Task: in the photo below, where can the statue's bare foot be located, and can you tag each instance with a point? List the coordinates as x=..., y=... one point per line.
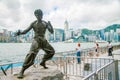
x=44, y=66
x=20, y=75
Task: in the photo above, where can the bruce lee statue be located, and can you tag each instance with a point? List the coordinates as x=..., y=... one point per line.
x=39, y=27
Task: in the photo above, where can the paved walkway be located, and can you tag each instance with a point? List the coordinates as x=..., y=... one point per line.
x=31, y=74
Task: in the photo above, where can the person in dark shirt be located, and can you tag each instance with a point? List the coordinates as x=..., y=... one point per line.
x=97, y=49
x=39, y=27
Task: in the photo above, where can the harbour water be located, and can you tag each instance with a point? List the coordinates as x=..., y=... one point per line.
x=16, y=52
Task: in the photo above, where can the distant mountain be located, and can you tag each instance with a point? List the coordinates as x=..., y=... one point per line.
x=88, y=32
x=107, y=29
x=112, y=27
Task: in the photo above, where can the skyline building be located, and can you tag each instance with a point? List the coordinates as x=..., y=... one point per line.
x=58, y=35
x=118, y=32
x=115, y=37
x=102, y=34
x=107, y=36
x=111, y=35
x=66, y=30
x=66, y=34
x=66, y=25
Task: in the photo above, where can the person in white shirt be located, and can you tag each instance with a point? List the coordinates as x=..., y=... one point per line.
x=78, y=53
x=110, y=48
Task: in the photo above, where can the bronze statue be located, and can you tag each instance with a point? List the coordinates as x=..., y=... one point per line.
x=39, y=26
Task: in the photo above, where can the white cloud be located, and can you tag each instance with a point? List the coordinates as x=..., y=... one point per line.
x=92, y=14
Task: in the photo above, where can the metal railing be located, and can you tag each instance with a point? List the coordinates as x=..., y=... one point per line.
x=87, y=52
x=106, y=72
x=67, y=63
x=6, y=67
x=69, y=66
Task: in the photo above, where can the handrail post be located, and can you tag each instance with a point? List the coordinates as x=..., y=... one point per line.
x=96, y=76
x=3, y=71
x=11, y=68
x=116, y=70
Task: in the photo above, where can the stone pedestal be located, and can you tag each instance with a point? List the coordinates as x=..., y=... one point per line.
x=37, y=74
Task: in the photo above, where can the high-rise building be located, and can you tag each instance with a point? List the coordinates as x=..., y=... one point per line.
x=118, y=32
x=115, y=36
x=102, y=35
x=66, y=26
x=57, y=36
x=97, y=35
x=66, y=32
x=107, y=36
x=111, y=35
x=91, y=38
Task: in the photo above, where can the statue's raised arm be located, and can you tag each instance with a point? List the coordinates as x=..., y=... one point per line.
x=50, y=27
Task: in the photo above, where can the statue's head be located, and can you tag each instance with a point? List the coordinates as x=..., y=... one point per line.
x=38, y=13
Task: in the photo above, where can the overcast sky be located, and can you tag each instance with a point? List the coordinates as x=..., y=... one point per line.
x=91, y=14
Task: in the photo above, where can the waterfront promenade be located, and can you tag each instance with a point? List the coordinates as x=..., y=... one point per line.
x=65, y=64
x=33, y=72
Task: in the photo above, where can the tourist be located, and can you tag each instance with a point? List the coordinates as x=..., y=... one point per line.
x=110, y=48
x=97, y=48
x=78, y=53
